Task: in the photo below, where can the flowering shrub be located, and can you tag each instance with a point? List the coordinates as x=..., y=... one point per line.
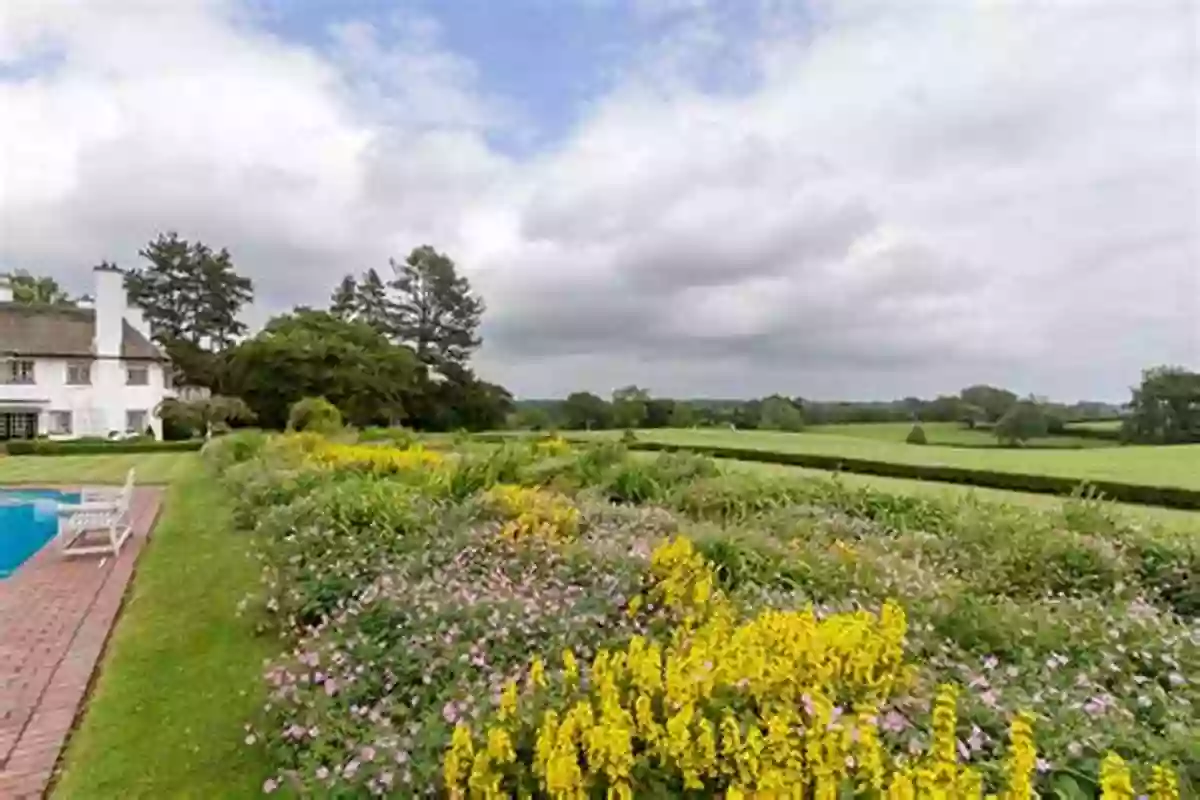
x=781, y=703
x=378, y=460
x=552, y=446
x=533, y=512
x=489, y=621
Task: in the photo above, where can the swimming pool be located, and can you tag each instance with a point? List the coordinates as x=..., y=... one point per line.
x=28, y=519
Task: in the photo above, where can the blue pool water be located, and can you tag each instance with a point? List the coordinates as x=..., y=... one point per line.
x=28, y=520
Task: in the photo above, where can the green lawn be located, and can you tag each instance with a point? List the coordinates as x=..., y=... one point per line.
x=182, y=673
x=155, y=468
x=946, y=433
x=1177, y=465
x=1168, y=517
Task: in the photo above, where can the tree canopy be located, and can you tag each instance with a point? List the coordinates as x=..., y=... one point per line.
x=779, y=414
x=34, y=290
x=189, y=292
x=1024, y=420
x=993, y=401
x=586, y=411
x=312, y=354
x=1165, y=408
x=630, y=406
x=435, y=311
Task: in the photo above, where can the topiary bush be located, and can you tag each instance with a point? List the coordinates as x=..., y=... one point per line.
x=916, y=435
x=315, y=414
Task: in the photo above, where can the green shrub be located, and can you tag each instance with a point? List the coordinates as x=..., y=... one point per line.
x=397, y=436
x=316, y=415
x=916, y=435
x=222, y=452
x=43, y=447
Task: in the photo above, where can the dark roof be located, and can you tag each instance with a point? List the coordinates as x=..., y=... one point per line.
x=62, y=331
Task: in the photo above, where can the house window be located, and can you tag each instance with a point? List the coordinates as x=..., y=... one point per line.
x=135, y=421
x=137, y=375
x=60, y=423
x=19, y=371
x=79, y=373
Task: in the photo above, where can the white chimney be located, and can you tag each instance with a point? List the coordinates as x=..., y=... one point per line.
x=110, y=311
x=6, y=294
x=137, y=318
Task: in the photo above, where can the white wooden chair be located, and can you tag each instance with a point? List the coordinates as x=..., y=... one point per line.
x=101, y=510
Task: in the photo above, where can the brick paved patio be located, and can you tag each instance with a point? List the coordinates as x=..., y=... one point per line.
x=55, y=616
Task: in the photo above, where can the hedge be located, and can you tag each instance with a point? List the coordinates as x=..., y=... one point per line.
x=1138, y=494
x=1108, y=435
x=1167, y=496
x=45, y=447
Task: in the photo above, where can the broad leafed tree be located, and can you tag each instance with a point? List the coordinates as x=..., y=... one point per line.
x=32, y=290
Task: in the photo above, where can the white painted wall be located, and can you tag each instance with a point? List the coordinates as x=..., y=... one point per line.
x=97, y=409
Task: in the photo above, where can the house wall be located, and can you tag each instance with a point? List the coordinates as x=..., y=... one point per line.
x=96, y=409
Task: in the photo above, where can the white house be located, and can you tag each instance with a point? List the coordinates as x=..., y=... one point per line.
x=91, y=370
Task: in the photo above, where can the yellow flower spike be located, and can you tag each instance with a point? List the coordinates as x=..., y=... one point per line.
x=944, y=750
x=544, y=745
x=1022, y=758
x=508, y=701
x=868, y=755
x=570, y=668
x=969, y=785
x=1115, y=783
x=1164, y=784
x=484, y=781
x=459, y=757
x=901, y=786
x=537, y=673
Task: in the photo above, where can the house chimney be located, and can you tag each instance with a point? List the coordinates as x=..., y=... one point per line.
x=6, y=295
x=137, y=318
x=110, y=311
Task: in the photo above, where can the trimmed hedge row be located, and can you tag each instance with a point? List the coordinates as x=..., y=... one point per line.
x=1165, y=496
x=45, y=447
x=1112, y=435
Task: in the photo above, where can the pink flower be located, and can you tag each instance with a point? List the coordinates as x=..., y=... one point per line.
x=330, y=687
x=270, y=785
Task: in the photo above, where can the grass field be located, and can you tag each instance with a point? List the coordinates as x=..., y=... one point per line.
x=1169, y=517
x=1153, y=466
x=947, y=433
x=152, y=468
x=182, y=672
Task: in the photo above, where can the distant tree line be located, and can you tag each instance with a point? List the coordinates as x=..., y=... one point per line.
x=633, y=407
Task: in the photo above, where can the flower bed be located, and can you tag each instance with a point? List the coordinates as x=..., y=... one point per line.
x=534, y=620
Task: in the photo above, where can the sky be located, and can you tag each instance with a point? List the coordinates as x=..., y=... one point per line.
x=727, y=198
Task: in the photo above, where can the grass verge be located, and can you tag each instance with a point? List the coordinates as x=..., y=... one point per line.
x=181, y=675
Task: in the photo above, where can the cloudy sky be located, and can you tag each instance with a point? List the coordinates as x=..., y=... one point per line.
x=830, y=198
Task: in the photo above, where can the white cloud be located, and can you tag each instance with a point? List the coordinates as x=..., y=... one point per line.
x=904, y=198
